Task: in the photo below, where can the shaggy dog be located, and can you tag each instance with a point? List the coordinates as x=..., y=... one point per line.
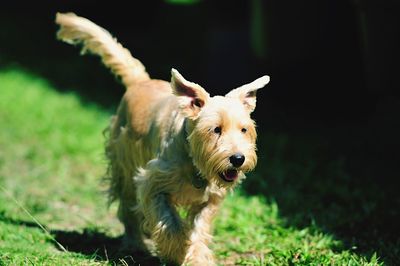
x=171, y=146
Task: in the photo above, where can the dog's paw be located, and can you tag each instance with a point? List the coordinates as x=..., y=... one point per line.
x=199, y=254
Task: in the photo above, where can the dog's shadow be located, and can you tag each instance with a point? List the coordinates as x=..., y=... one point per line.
x=94, y=244
x=102, y=247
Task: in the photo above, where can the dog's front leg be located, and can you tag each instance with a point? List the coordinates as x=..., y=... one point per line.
x=198, y=252
x=167, y=230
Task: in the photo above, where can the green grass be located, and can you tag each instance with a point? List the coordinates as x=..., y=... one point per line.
x=51, y=163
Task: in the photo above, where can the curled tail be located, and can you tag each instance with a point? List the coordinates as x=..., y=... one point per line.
x=96, y=40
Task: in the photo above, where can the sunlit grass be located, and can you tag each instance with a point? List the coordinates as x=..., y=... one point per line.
x=250, y=231
x=51, y=162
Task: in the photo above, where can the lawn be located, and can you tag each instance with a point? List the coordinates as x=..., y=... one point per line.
x=53, y=209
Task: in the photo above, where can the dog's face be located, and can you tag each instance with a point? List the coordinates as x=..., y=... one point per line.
x=221, y=133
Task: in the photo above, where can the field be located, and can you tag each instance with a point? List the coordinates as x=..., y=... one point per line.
x=53, y=209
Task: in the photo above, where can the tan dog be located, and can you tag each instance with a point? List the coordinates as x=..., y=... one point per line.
x=171, y=146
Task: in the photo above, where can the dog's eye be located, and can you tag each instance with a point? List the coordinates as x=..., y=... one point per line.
x=244, y=130
x=217, y=130
x=197, y=102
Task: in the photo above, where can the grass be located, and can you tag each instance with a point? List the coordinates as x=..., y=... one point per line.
x=51, y=161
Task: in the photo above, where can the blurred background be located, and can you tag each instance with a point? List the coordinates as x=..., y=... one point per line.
x=332, y=106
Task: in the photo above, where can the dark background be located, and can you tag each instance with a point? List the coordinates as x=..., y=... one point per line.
x=330, y=62
x=334, y=67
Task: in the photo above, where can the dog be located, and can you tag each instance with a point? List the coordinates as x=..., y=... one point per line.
x=174, y=151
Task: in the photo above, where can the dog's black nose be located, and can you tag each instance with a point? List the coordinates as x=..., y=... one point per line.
x=237, y=159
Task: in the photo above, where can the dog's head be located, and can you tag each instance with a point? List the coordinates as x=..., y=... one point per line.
x=220, y=131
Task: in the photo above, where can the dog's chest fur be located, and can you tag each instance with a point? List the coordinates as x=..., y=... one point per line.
x=193, y=189
x=189, y=195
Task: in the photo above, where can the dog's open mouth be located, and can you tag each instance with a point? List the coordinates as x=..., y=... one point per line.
x=229, y=175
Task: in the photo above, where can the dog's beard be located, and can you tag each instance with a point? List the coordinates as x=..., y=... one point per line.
x=218, y=170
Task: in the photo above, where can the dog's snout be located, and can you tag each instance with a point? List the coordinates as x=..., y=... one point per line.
x=237, y=159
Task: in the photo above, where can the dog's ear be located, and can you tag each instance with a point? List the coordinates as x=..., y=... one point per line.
x=247, y=92
x=191, y=96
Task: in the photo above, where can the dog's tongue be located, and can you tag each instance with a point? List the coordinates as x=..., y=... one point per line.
x=231, y=175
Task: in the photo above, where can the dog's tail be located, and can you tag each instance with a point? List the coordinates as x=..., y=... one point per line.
x=96, y=40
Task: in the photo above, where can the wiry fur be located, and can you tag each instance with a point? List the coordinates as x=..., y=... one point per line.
x=170, y=146
x=94, y=39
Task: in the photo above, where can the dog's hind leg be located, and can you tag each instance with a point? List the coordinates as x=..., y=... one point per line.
x=120, y=152
x=133, y=238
